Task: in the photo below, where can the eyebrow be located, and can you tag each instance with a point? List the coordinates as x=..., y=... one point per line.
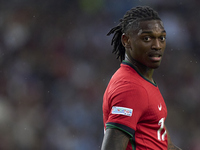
x=150, y=32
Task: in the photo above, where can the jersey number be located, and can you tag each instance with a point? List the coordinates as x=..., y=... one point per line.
x=161, y=137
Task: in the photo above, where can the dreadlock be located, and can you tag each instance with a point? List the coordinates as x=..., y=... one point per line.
x=135, y=15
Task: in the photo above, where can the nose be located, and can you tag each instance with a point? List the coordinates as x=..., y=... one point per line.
x=156, y=45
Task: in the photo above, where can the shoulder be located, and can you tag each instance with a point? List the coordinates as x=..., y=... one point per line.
x=126, y=79
x=126, y=88
x=126, y=74
x=127, y=84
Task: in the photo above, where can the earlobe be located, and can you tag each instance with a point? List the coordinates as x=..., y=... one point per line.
x=125, y=40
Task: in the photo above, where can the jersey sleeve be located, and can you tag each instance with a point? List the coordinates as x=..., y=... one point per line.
x=128, y=103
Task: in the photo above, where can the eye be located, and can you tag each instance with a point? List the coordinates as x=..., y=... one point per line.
x=147, y=38
x=162, y=38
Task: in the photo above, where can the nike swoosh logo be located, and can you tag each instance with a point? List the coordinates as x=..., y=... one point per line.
x=160, y=107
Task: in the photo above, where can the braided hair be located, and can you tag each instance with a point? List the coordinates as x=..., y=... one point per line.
x=134, y=15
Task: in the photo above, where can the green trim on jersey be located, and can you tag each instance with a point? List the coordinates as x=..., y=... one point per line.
x=113, y=126
x=110, y=126
x=128, y=63
x=132, y=144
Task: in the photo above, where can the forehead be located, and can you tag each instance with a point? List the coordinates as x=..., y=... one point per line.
x=150, y=25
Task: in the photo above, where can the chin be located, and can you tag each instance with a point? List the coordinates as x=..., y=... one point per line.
x=154, y=66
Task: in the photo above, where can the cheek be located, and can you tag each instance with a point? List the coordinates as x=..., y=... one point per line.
x=137, y=45
x=143, y=47
x=164, y=46
x=140, y=50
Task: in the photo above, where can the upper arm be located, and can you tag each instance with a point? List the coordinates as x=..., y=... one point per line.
x=115, y=139
x=132, y=98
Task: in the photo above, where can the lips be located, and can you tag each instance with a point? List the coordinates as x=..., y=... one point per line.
x=155, y=56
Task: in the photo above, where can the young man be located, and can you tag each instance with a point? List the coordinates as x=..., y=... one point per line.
x=134, y=111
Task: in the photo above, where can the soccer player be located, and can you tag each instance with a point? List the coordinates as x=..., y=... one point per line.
x=134, y=110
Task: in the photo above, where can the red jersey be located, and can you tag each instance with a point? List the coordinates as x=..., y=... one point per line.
x=135, y=105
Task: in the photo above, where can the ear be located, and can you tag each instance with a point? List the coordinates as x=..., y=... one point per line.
x=125, y=40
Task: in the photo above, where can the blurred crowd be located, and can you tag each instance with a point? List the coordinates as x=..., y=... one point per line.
x=56, y=61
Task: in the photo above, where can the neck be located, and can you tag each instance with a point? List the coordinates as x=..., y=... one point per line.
x=142, y=69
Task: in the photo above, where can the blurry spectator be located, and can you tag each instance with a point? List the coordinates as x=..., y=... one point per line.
x=55, y=63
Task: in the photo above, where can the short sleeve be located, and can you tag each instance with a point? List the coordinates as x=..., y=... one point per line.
x=128, y=103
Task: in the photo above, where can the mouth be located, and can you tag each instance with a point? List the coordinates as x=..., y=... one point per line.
x=155, y=57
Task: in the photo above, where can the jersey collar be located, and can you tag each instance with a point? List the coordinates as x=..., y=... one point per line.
x=129, y=64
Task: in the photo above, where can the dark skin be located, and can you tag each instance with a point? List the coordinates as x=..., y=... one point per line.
x=144, y=49
x=145, y=46
x=115, y=139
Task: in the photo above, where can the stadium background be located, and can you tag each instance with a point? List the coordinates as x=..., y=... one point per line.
x=56, y=61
